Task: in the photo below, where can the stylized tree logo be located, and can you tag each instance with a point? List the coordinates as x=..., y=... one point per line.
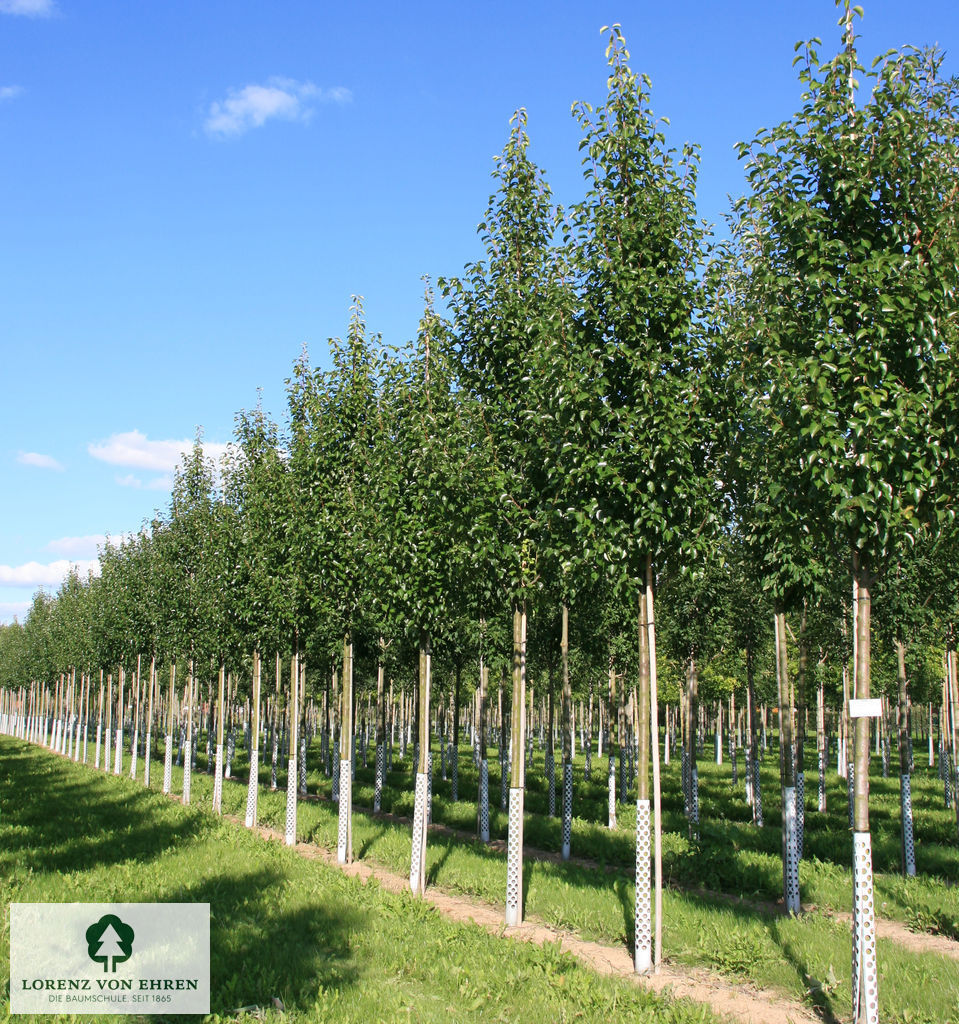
x=109, y=942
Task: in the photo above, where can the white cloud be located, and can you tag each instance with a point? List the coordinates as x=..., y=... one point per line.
x=10, y=610
x=137, y=451
x=253, y=105
x=9, y=92
x=42, y=461
x=85, y=547
x=51, y=574
x=77, y=546
x=159, y=483
x=30, y=8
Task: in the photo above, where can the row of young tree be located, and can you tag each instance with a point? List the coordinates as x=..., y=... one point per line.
x=610, y=407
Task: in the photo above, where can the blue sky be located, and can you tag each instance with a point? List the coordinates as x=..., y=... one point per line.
x=190, y=192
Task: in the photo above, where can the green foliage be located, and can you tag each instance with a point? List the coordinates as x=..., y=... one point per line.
x=509, y=313
x=850, y=251
x=637, y=405
x=260, y=508
x=13, y=655
x=334, y=446
x=426, y=490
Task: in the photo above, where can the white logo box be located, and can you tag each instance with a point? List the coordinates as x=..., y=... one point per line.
x=163, y=968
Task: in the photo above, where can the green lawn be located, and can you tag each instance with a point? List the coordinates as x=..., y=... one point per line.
x=806, y=958
x=329, y=947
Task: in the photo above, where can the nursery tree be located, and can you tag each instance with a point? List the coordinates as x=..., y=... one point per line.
x=504, y=312
x=335, y=423
x=639, y=404
x=423, y=486
x=850, y=235
x=253, y=493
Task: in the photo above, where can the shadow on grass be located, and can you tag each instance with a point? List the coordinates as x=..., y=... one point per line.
x=629, y=913
x=818, y=992
x=740, y=956
x=66, y=821
x=368, y=842
x=437, y=865
x=269, y=937
x=261, y=950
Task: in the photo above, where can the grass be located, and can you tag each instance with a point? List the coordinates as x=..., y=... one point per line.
x=282, y=927
x=731, y=855
x=805, y=958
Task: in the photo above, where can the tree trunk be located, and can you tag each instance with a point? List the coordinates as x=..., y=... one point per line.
x=454, y=753
x=821, y=743
x=907, y=846
x=304, y=715
x=168, y=747
x=931, y=744
x=622, y=739
x=753, y=770
x=567, y=735
x=787, y=763
x=657, y=790
x=611, y=717
x=733, y=738
x=848, y=728
x=275, y=723
x=118, y=738
x=529, y=726
x=292, y=733
x=380, y=730
x=420, y=809
x=801, y=734
x=230, y=724
x=514, y=843
x=550, y=754
x=188, y=748
x=503, y=766
x=136, y=722
x=220, y=709
x=953, y=684
x=865, y=978
x=335, y=711
x=252, y=791
x=482, y=804
x=344, y=839
x=643, y=948
x=108, y=737
x=56, y=711
x=86, y=723
x=692, y=726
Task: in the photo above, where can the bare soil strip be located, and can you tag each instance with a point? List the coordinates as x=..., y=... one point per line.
x=737, y=1001
x=915, y=942
x=894, y=931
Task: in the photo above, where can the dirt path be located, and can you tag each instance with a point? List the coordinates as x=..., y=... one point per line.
x=737, y=1001
x=894, y=931
x=915, y=942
